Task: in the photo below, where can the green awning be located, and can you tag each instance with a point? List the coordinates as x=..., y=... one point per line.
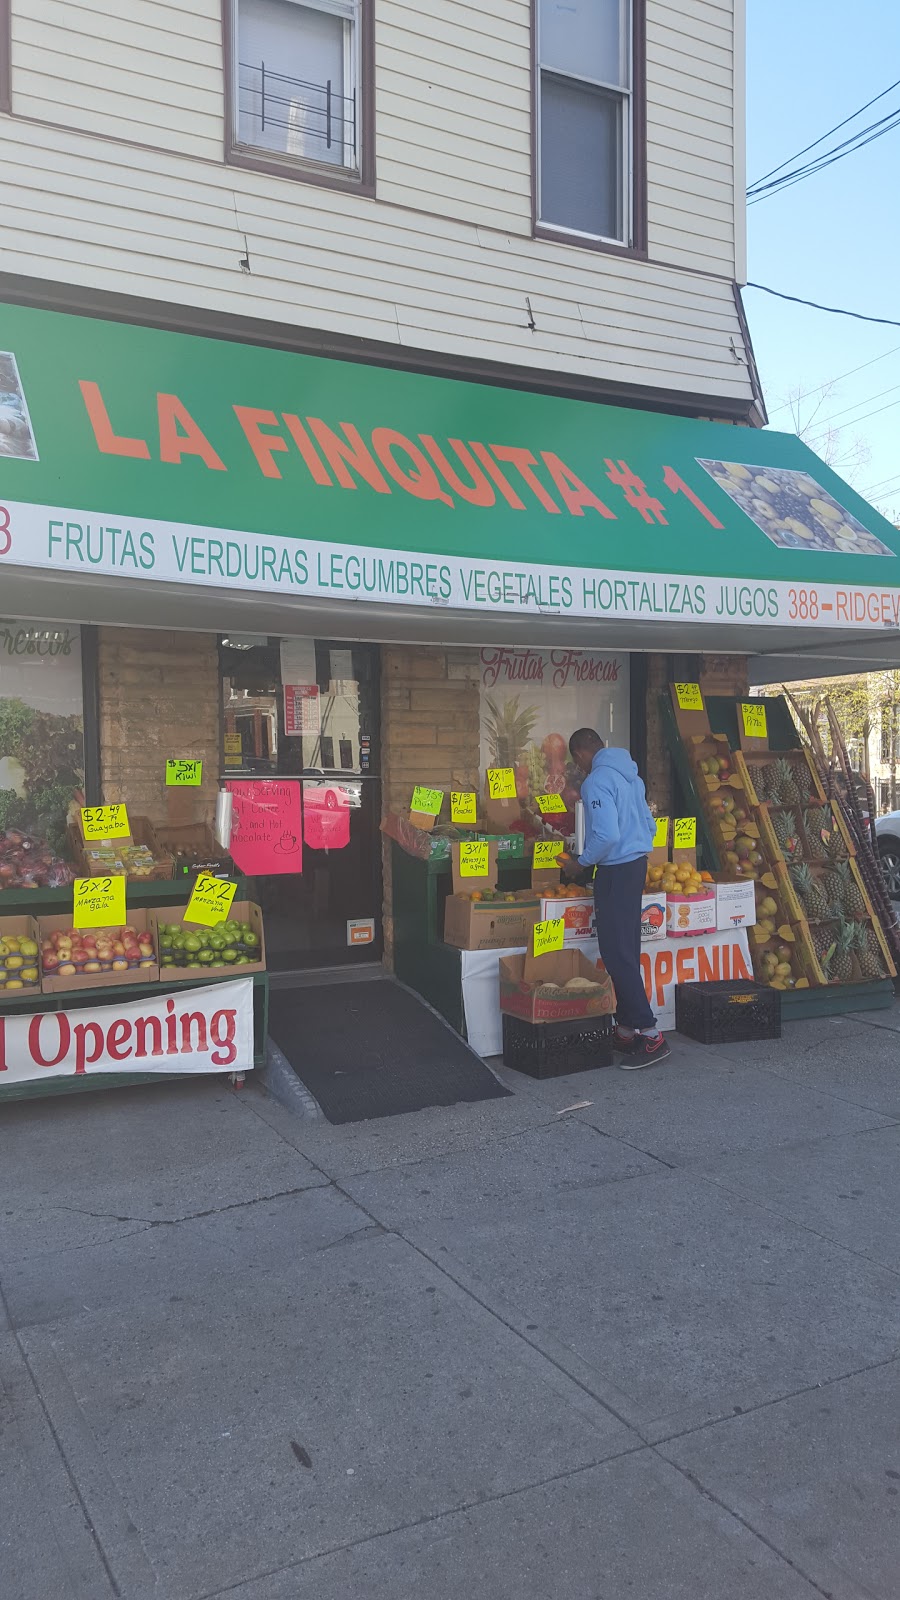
x=127, y=453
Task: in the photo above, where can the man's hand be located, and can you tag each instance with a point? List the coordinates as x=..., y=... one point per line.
x=572, y=872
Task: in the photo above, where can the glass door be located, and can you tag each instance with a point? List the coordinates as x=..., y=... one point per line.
x=300, y=751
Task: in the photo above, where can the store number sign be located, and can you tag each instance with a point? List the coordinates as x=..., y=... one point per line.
x=105, y=822
x=184, y=774
x=684, y=836
x=463, y=808
x=211, y=900
x=550, y=804
x=754, y=718
x=427, y=801
x=548, y=936
x=501, y=783
x=98, y=903
x=474, y=858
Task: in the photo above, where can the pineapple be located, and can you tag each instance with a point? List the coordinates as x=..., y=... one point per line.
x=842, y=962
x=817, y=820
x=760, y=777
x=815, y=902
x=821, y=938
x=785, y=784
x=868, y=951
x=826, y=959
x=509, y=729
x=785, y=825
x=852, y=898
x=836, y=852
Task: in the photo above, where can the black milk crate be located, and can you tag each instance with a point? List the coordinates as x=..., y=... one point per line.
x=554, y=1049
x=727, y=1013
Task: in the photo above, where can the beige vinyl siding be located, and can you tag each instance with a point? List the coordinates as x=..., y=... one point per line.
x=443, y=260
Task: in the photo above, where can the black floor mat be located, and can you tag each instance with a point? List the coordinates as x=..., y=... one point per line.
x=374, y=1050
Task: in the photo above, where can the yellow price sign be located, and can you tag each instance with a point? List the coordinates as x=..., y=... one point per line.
x=549, y=804
x=428, y=801
x=211, y=900
x=98, y=903
x=474, y=858
x=684, y=836
x=184, y=774
x=547, y=852
x=463, y=807
x=501, y=783
x=232, y=744
x=105, y=822
x=548, y=936
x=754, y=717
x=661, y=836
x=689, y=697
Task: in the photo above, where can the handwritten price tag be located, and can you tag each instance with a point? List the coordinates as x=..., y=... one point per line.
x=501, y=783
x=550, y=804
x=428, y=801
x=689, y=697
x=98, y=903
x=661, y=836
x=184, y=774
x=754, y=716
x=105, y=822
x=463, y=808
x=474, y=858
x=211, y=900
x=684, y=836
x=547, y=852
x=548, y=936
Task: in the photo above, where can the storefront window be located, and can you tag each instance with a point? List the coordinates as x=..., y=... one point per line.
x=532, y=700
x=41, y=750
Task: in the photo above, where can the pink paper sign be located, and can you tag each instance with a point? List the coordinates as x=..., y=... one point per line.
x=266, y=830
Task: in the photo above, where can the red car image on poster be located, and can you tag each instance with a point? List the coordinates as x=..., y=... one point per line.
x=326, y=812
x=266, y=831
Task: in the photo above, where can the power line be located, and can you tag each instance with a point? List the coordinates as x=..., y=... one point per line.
x=821, y=140
x=889, y=486
x=834, y=311
x=773, y=411
x=826, y=421
x=868, y=135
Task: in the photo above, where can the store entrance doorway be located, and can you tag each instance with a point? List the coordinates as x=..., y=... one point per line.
x=300, y=743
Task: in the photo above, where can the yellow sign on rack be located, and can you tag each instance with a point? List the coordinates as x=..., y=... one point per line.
x=474, y=858
x=501, y=783
x=661, y=836
x=547, y=852
x=548, y=936
x=754, y=718
x=184, y=774
x=463, y=808
x=211, y=900
x=98, y=903
x=684, y=833
x=428, y=801
x=105, y=822
x=550, y=804
x=689, y=697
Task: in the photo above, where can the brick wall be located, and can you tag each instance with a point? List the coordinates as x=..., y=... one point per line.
x=159, y=698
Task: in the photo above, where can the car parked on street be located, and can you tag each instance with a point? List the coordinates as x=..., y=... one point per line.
x=887, y=831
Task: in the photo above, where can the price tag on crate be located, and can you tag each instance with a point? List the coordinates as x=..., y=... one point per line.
x=754, y=719
x=547, y=852
x=98, y=903
x=211, y=900
x=501, y=783
x=548, y=936
x=474, y=858
x=688, y=696
x=184, y=774
x=105, y=822
x=463, y=808
x=550, y=804
x=684, y=833
x=661, y=836
x=428, y=801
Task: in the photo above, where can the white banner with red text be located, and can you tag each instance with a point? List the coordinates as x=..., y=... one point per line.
x=194, y=1031
x=709, y=958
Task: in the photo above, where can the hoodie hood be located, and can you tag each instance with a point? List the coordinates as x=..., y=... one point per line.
x=619, y=761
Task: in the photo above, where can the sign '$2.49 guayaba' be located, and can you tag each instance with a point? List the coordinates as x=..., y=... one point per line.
x=160, y=456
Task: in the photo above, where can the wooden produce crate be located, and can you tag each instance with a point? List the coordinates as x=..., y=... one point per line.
x=194, y=848
x=52, y=983
x=241, y=911
x=803, y=768
x=26, y=927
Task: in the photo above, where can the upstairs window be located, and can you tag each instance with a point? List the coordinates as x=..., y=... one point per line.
x=585, y=118
x=297, y=84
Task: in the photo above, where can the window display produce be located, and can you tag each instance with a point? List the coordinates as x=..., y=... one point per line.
x=41, y=751
x=19, y=957
x=188, y=949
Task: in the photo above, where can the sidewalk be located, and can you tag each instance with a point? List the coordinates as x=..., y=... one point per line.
x=619, y=1335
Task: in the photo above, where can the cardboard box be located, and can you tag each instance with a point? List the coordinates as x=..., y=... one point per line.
x=533, y=989
x=653, y=917
x=577, y=914
x=694, y=913
x=19, y=926
x=140, y=920
x=241, y=911
x=735, y=904
x=194, y=848
x=492, y=924
x=142, y=833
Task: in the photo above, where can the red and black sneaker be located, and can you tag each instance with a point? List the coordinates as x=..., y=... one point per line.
x=645, y=1051
x=623, y=1040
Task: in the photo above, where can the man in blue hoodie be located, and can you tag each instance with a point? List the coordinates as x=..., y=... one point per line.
x=619, y=830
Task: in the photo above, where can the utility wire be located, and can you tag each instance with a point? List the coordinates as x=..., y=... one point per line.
x=866, y=136
x=786, y=404
x=834, y=311
x=856, y=405
x=824, y=136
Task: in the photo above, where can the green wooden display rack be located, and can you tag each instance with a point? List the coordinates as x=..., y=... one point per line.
x=55, y=902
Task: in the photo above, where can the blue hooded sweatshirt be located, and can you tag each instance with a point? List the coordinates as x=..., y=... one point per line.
x=619, y=824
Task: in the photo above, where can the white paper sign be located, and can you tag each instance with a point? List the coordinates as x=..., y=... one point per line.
x=710, y=957
x=194, y=1030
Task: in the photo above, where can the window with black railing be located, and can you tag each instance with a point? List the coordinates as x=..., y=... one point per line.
x=297, y=77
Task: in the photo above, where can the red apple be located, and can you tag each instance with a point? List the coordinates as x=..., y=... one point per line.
x=50, y=960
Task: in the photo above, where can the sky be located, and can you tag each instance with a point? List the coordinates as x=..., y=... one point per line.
x=835, y=237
